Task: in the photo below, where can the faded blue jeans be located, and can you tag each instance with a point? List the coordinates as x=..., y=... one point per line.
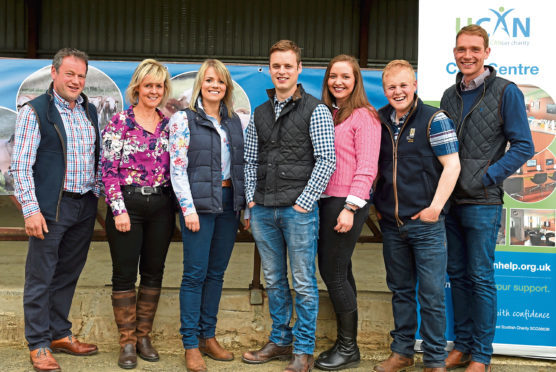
x=471, y=230
x=282, y=233
x=416, y=251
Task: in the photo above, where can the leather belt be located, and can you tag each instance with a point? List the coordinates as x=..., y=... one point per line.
x=146, y=190
x=74, y=195
x=227, y=183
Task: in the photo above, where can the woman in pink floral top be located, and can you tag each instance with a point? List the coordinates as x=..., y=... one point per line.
x=140, y=219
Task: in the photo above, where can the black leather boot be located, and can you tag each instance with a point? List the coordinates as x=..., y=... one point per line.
x=345, y=353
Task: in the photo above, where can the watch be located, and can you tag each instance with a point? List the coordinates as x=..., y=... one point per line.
x=350, y=208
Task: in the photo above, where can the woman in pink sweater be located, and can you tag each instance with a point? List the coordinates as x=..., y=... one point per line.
x=345, y=203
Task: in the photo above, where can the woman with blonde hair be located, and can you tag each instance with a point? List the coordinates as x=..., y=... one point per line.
x=206, y=151
x=140, y=219
x=346, y=206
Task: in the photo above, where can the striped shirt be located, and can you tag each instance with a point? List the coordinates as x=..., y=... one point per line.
x=321, y=131
x=442, y=133
x=80, y=148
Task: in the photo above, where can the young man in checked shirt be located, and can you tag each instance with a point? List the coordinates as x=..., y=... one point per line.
x=56, y=178
x=289, y=155
x=418, y=168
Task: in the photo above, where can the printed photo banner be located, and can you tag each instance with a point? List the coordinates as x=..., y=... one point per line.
x=24, y=79
x=522, y=50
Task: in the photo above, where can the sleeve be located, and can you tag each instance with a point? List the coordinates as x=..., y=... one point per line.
x=26, y=142
x=98, y=176
x=442, y=135
x=251, y=158
x=321, y=131
x=517, y=132
x=113, y=140
x=179, y=144
x=367, y=132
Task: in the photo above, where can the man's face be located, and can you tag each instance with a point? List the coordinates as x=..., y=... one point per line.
x=69, y=80
x=284, y=72
x=399, y=88
x=470, y=55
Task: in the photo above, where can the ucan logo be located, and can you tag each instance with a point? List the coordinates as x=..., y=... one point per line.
x=501, y=22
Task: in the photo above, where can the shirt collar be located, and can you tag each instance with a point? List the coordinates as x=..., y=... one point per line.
x=402, y=119
x=475, y=83
x=64, y=103
x=282, y=103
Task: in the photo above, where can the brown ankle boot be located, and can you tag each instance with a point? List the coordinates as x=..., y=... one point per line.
x=194, y=361
x=211, y=348
x=147, y=303
x=123, y=304
x=394, y=363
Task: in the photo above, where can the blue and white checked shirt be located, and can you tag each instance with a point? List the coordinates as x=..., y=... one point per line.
x=80, y=148
x=442, y=133
x=321, y=131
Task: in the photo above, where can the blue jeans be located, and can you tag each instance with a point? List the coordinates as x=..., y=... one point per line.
x=416, y=251
x=206, y=254
x=471, y=230
x=282, y=232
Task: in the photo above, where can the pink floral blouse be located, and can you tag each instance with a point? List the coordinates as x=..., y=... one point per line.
x=133, y=156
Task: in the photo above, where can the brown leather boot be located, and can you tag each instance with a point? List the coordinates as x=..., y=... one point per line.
x=147, y=303
x=457, y=359
x=194, y=361
x=123, y=304
x=268, y=352
x=477, y=367
x=43, y=361
x=394, y=363
x=301, y=363
x=211, y=348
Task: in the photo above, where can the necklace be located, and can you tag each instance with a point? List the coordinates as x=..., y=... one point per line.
x=148, y=121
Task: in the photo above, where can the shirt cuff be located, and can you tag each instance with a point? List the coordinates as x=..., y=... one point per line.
x=30, y=209
x=352, y=199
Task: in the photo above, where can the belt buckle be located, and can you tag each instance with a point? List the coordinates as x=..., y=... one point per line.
x=146, y=190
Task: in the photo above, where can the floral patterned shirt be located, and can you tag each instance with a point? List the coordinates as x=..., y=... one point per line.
x=133, y=156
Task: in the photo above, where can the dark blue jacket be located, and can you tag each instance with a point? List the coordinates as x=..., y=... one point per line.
x=50, y=165
x=409, y=170
x=204, y=168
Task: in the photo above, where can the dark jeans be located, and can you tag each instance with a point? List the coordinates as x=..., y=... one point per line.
x=334, y=253
x=471, y=230
x=145, y=244
x=52, y=269
x=206, y=254
x=416, y=251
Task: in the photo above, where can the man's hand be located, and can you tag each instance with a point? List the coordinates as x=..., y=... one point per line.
x=251, y=205
x=192, y=222
x=122, y=222
x=247, y=224
x=299, y=209
x=429, y=214
x=35, y=225
x=345, y=221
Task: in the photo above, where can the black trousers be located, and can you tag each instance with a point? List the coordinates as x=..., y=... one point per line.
x=335, y=251
x=145, y=245
x=52, y=269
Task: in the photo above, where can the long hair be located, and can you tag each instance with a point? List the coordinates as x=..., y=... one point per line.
x=224, y=74
x=358, y=97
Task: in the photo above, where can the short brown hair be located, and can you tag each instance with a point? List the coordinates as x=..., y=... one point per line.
x=69, y=52
x=474, y=30
x=397, y=64
x=284, y=46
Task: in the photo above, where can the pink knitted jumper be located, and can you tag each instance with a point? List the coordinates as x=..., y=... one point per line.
x=357, y=142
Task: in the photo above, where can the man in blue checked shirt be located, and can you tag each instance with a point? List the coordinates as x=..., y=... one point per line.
x=289, y=155
x=55, y=170
x=418, y=168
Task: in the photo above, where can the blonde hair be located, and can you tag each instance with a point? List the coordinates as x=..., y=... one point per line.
x=157, y=71
x=224, y=74
x=398, y=64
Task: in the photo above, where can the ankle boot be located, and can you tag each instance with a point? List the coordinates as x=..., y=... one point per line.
x=147, y=303
x=345, y=353
x=123, y=304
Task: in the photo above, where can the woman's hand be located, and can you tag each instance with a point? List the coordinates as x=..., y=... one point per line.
x=345, y=221
x=192, y=222
x=122, y=222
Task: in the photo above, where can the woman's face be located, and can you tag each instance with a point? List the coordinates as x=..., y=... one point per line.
x=213, y=88
x=150, y=92
x=341, y=81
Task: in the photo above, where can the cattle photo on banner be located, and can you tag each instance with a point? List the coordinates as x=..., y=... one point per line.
x=521, y=38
